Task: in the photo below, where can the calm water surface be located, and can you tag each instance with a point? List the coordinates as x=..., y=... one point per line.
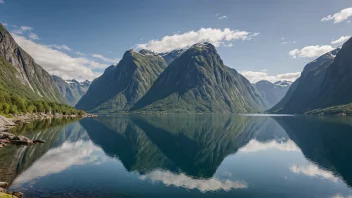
x=183, y=156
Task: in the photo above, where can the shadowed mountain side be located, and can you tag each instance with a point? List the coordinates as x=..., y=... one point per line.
x=16, y=160
x=121, y=86
x=326, y=143
x=123, y=139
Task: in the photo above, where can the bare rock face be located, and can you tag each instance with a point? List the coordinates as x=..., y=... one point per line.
x=28, y=73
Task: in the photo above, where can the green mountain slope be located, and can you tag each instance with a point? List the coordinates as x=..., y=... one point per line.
x=198, y=81
x=121, y=86
x=25, y=87
x=37, y=81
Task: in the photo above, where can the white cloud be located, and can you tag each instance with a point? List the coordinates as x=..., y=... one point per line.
x=4, y=24
x=20, y=30
x=217, y=37
x=2, y=1
x=341, y=40
x=339, y=17
x=282, y=38
x=285, y=42
x=26, y=28
x=311, y=51
x=349, y=21
x=61, y=47
x=255, y=146
x=254, y=77
x=184, y=181
x=101, y=57
x=222, y=17
x=33, y=36
x=313, y=170
x=59, y=63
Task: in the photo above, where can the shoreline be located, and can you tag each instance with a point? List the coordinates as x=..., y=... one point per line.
x=7, y=123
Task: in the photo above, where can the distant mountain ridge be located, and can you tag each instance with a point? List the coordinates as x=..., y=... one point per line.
x=71, y=90
x=273, y=92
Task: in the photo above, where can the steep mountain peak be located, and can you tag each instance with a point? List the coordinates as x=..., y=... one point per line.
x=263, y=82
x=122, y=86
x=28, y=73
x=324, y=60
x=283, y=83
x=148, y=52
x=198, y=81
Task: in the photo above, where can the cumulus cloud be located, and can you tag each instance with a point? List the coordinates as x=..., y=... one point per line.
x=341, y=40
x=339, y=17
x=254, y=76
x=311, y=51
x=255, y=146
x=59, y=63
x=33, y=36
x=313, y=170
x=217, y=37
x=184, y=181
x=101, y=57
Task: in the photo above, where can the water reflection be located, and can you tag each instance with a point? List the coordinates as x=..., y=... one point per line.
x=186, y=155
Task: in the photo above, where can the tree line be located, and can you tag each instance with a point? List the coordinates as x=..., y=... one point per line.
x=11, y=103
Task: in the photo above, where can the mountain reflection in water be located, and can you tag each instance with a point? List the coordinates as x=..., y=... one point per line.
x=185, y=155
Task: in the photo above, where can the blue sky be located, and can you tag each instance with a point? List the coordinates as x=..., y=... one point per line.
x=79, y=38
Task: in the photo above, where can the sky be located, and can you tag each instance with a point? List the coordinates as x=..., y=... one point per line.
x=262, y=39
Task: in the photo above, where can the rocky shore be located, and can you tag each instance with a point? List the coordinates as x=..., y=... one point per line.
x=7, y=138
x=7, y=123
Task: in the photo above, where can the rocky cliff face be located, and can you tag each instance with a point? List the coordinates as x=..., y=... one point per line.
x=198, y=81
x=27, y=72
x=121, y=86
x=71, y=90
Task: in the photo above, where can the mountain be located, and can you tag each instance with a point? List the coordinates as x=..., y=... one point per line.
x=198, y=81
x=71, y=90
x=303, y=94
x=121, y=86
x=273, y=92
x=171, y=56
x=21, y=75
